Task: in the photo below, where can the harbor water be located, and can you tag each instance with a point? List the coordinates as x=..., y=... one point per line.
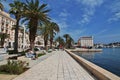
x=108, y=59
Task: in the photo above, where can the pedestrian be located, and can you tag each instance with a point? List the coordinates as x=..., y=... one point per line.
x=60, y=47
x=30, y=54
x=5, y=47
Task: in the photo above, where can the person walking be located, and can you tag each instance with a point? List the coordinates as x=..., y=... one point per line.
x=5, y=47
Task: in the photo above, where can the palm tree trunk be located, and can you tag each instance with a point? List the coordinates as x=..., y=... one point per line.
x=32, y=39
x=32, y=45
x=46, y=47
x=32, y=35
x=45, y=43
x=16, y=37
x=2, y=42
x=51, y=42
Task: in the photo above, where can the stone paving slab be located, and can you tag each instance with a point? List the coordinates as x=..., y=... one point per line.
x=41, y=58
x=7, y=76
x=59, y=66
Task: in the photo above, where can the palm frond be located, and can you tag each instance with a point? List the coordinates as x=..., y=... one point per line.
x=42, y=7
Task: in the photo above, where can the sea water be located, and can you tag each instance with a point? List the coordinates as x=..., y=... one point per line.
x=108, y=59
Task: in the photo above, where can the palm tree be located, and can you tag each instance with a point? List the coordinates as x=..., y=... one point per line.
x=3, y=36
x=1, y=5
x=69, y=40
x=45, y=33
x=66, y=36
x=60, y=40
x=53, y=29
x=16, y=10
x=34, y=14
x=21, y=29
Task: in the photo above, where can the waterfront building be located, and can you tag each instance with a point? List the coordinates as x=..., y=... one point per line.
x=39, y=41
x=100, y=45
x=86, y=41
x=6, y=24
x=26, y=43
x=23, y=40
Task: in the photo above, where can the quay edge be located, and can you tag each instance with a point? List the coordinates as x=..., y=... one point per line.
x=97, y=71
x=85, y=50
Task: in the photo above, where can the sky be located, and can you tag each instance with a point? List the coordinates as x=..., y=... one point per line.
x=97, y=18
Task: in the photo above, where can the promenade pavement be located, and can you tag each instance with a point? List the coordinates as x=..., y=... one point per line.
x=41, y=58
x=3, y=56
x=2, y=51
x=60, y=66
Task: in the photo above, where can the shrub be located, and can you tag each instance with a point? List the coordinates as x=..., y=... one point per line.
x=11, y=52
x=36, y=49
x=40, y=55
x=14, y=67
x=22, y=53
x=50, y=50
x=13, y=58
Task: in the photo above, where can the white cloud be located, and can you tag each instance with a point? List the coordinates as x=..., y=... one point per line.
x=86, y=19
x=115, y=10
x=79, y=31
x=6, y=5
x=115, y=6
x=89, y=10
x=63, y=17
x=100, y=32
x=112, y=36
x=115, y=17
x=64, y=13
x=64, y=29
x=62, y=24
x=75, y=34
x=91, y=3
x=62, y=20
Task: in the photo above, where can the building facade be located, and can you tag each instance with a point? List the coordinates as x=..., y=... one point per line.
x=39, y=41
x=6, y=24
x=86, y=42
